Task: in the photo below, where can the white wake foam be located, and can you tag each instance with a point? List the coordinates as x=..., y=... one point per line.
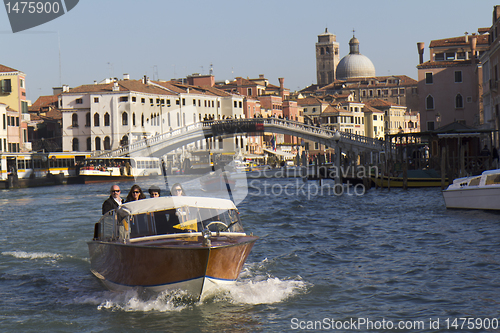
x=263, y=290
x=133, y=301
x=32, y=255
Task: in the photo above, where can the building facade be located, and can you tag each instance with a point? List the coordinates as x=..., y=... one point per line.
x=491, y=75
x=394, y=115
x=16, y=117
x=450, y=83
x=114, y=113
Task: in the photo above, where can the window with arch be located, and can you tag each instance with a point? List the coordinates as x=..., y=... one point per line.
x=322, y=51
x=106, y=119
x=327, y=50
x=142, y=120
x=459, y=101
x=133, y=119
x=97, y=143
x=168, y=119
x=107, y=143
x=74, y=120
x=96, y=119
x=87, y=119
x=75, y=144
x=124, y=141
x=124, y=118
x=178, y=120
x=89, y=144
x=429, y=103
x=194, y=117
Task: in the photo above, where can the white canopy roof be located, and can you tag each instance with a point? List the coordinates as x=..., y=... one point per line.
x=284, y=154
x=164, y=203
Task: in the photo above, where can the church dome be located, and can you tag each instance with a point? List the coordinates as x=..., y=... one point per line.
x=355, y=65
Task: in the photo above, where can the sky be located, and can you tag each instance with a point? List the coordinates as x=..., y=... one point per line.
x=166, y=39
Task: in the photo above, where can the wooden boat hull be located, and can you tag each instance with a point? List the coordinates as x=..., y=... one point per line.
x=412, y=182
x=169, y=264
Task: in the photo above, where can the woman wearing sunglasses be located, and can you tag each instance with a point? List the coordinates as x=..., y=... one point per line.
x=135, y=194
x=177, y=190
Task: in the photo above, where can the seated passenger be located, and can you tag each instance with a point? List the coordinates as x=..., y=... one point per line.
x=177, y=190
x=135, y=194
x=154, y=191
x=114, y=200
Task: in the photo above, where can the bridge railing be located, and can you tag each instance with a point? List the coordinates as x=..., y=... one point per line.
x=237, y=123
x=295, y=125
x=145, y=143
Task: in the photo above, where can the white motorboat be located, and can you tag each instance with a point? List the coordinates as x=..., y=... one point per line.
x=476, y=192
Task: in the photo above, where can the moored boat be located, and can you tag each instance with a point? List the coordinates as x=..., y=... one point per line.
x=416, y=178
x=34, y=169
x=476, y=192
x=102, y=169
x=193, y=244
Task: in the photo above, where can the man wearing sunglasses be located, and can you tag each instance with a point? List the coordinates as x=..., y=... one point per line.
x=114, y=200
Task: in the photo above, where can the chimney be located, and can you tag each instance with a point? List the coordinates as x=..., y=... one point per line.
x=115, y=86
x=65, y=88
x=420, y=47
x=261, y=76
x=473, y=42
x=126, y=77
x=282, y=87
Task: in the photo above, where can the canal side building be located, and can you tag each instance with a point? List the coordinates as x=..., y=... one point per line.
x=491, y=75
x=450, y=83
x=14, y=116
x=114, y=113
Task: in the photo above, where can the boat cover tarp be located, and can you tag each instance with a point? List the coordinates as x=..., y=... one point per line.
x=164, y=203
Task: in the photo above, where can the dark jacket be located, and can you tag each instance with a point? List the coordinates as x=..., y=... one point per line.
x=108, y=205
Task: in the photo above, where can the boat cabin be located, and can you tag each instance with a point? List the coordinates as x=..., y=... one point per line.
x=487, y=178
x=159, y=217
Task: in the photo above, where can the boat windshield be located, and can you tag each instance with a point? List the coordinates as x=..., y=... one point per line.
x=183, y=220
x=493, y=179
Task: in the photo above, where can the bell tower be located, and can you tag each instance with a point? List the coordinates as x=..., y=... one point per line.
x=327, y=58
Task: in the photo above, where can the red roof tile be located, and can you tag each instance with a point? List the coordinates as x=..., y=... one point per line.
x=377, y=102
x=7, y=69
x=458, y=41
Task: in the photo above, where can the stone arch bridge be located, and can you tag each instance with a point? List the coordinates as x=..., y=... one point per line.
x=160, y=145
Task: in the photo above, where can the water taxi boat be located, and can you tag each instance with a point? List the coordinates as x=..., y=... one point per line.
x=194, y=244
x=476, y=192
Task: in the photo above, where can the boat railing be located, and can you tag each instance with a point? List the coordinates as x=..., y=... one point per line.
x=183, y=235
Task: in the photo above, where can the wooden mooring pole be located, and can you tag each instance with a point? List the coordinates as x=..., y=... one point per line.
x=443, y=167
